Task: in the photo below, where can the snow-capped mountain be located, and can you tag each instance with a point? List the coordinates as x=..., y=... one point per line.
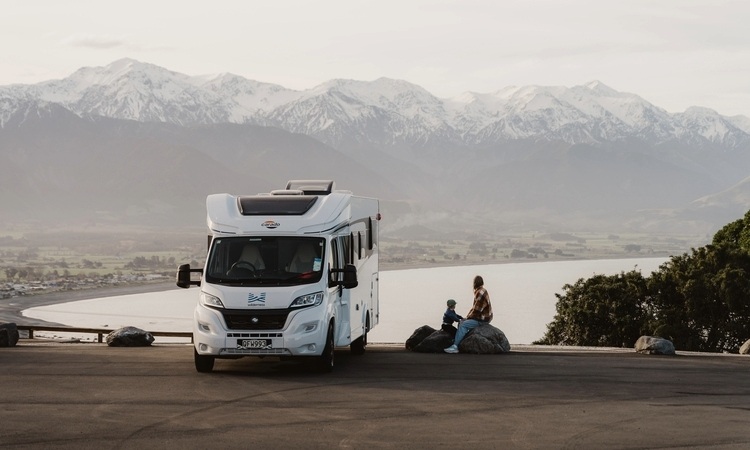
x=382, y=112
x=158, y=141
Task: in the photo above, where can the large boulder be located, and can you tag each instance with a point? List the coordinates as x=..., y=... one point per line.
x=435, y=343
x=484, y=339
x=651, y=345
x=745, y=349
x=419, y=335
x=8, y=334
x=129, y=337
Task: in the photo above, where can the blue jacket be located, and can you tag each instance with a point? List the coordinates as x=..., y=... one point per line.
x=450, y=316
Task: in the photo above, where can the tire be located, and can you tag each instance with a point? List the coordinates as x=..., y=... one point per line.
x=359, y=345
x=203, y=363
x=326, y=359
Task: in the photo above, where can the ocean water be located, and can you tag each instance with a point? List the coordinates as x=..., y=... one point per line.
x=522, y=296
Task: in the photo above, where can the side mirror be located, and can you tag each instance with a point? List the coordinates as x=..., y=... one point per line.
x=349, y=280
x=350, y=277
x=183, y=276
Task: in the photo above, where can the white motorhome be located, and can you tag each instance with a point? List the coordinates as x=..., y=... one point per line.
x=290, y=273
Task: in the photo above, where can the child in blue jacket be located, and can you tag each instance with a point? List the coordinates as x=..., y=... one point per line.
x=449, y=317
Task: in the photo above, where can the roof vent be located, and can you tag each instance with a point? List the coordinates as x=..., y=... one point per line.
x=311, y=187
x=287, y=192
x=291, y=205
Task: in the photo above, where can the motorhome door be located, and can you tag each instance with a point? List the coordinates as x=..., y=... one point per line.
x=340, y=249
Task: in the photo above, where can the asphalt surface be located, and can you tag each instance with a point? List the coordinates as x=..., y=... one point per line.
x=80, y=396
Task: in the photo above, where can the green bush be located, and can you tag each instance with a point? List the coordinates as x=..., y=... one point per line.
x=699, y=300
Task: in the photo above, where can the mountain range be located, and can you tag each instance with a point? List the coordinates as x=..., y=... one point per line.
x=132, y=141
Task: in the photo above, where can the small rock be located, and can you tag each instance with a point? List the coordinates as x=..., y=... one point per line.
x=651, y=345
x=129, y=337
x=8, y=334
x=745, y=349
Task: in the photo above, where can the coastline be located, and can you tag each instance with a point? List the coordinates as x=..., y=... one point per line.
x=11, y=309
x=96, y=292
x=408, y=265
x=518, y=288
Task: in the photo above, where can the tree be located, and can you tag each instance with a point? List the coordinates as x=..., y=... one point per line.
x=702, y=300
x=735, y=234
x=601, y=311
x=699, y=300
x=10, y=273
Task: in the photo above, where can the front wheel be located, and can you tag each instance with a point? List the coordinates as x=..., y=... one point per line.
x=203, y=363
x=359, y=345
x=325, y=362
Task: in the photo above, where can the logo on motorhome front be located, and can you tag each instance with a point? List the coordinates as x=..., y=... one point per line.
x=270, y=224
x=256, y=300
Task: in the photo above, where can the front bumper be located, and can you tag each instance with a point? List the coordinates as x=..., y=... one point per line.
x=302, y=334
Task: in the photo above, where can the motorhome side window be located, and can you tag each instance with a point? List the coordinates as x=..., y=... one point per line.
x=335, y=264
x=370, y=234
x=251, y=261
x=349, y=248
x=340, y=250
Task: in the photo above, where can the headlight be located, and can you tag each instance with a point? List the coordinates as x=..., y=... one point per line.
x=210, y=300
x=307, y=300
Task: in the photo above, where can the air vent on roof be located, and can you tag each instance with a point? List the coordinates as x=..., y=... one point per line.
x=287, y=192
x=311, y=187
x=292, y=205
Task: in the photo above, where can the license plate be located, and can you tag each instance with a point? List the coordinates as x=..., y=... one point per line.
x=253, y=343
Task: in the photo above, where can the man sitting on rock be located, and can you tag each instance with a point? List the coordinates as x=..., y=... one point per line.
x=449, y=317
x=480, y=313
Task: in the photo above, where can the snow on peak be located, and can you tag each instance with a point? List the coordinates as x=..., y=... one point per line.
x=373, y=91
x=698, y=111
x=122, y=68
x=383, y=93
x=593, y=111
x=601, y=88
x=741, y=122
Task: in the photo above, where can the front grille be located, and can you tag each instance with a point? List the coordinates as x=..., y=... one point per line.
x=255, y=335
x=271, y=319
x=255, y=351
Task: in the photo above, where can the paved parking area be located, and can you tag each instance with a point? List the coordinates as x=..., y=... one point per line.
x=93, y=396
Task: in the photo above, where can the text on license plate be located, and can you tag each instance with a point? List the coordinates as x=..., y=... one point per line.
x=253, y=343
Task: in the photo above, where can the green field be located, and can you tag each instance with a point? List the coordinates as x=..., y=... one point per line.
x=122, y=255
x=532, y=247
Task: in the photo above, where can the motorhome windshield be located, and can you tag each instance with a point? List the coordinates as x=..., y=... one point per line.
x=249, y=261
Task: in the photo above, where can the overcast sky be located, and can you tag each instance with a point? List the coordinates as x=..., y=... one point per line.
x=673, y=53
